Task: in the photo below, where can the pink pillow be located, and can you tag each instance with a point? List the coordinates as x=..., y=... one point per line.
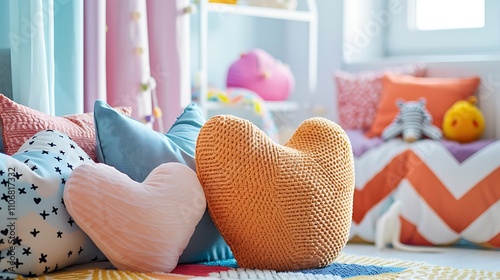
x=19, y=123
x=261, y=73
x=358, y=94
x=142, y=227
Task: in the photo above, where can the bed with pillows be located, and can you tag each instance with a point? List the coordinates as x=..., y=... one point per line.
x=449, y=191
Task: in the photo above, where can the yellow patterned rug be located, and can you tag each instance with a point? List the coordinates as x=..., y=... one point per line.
x=411, y=270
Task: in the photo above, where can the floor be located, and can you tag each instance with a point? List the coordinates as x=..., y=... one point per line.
x=453, y=257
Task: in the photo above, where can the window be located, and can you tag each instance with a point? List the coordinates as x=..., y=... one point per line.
x=437, y=14
x=444, y=27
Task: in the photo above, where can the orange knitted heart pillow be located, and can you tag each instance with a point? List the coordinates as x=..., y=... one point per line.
x=278, y=207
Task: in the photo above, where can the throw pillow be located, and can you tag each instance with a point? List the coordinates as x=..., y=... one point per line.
x=358, y=94
x=140, y=227
x=278, y=207
x=135, y=149
x=37, y=233
x=19, y=123
x=440, y=93
x=261, y=73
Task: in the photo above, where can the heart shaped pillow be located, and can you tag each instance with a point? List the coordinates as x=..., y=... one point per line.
x=141, y=227
x=37, y=235
x=278, y=207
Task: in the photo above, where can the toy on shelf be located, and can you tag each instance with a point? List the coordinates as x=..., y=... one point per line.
x=261, y=73
x=240, y=96
x=463, y=122
x=412, y=122
x=248, y=99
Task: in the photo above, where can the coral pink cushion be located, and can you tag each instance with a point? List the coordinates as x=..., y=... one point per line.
x=19, y=123
x=440, y=93
x=358, y=94
x=138, y=226
x=259, y=72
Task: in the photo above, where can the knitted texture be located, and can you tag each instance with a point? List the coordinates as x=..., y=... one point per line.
x=278, y=207
x=19, y=123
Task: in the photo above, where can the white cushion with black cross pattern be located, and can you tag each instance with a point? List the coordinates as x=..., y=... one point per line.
x=37, y=235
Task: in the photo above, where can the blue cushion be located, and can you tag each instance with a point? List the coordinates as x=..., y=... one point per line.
x=37, y=235
x=135, y=149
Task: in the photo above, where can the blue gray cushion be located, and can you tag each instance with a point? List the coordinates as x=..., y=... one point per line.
x=135, y=149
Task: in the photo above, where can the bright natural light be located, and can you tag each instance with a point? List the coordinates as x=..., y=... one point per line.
x=447, y=14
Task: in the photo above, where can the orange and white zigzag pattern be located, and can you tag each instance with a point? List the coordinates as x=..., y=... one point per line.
x=443, y=200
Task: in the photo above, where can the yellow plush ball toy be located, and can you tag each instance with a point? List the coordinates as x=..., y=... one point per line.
x=463, y=122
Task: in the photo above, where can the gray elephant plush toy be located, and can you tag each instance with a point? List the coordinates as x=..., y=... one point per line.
x=412, y=122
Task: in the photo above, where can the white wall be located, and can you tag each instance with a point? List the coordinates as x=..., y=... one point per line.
x=364, y=28
x=323, y=100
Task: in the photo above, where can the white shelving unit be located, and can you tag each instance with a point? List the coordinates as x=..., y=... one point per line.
x=308, y=16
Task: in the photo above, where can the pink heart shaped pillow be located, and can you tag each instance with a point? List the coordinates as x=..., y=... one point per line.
x=138, y=226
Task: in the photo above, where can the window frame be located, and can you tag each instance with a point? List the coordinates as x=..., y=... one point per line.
x=431, y=4
x=403, y=40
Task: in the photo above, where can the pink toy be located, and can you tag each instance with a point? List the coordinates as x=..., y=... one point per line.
x=258, y=71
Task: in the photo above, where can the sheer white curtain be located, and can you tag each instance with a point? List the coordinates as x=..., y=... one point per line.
x=32, y=53
x=45, y=41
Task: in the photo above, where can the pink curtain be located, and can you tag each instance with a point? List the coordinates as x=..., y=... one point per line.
x=169, y=55
x=142, y=61
x=127, y=57
x=94, y=52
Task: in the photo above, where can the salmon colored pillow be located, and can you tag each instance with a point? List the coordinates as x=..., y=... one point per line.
x=19, y=123
x=358, y=94
x=440, y=93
